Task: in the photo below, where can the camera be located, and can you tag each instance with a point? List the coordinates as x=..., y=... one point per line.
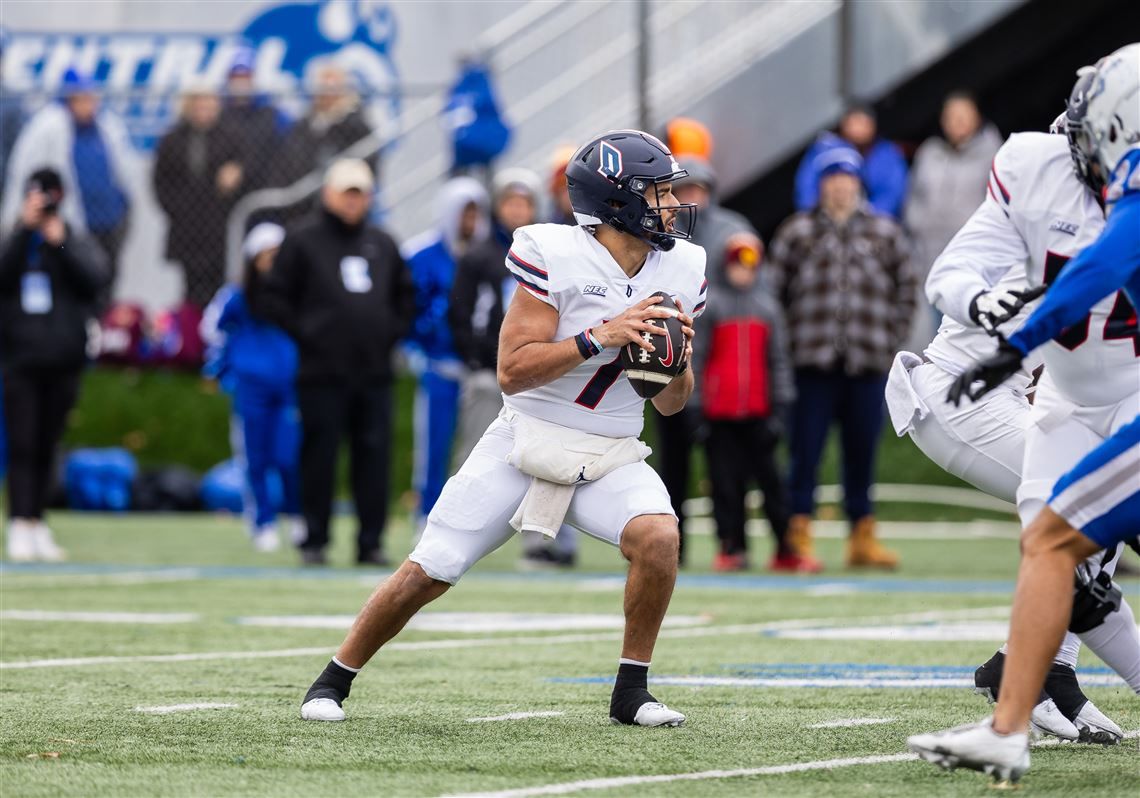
x=48, y=183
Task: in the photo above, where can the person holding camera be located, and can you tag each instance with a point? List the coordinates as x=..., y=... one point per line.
x=50, y=278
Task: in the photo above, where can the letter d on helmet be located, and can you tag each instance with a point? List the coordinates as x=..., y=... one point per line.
x=609, y=178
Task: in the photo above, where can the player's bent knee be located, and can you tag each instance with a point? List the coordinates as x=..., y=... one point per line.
x=414, y=579
x=654, y=537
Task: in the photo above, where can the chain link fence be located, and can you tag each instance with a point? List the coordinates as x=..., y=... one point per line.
x=158, y=190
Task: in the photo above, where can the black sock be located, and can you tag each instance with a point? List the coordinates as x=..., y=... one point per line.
x=335, y=682
x=1061, y=685
x=630, y=691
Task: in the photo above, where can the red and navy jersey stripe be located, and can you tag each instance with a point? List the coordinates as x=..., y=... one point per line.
x=525, y=284
x=528, y=275
x=527, y=267
x=997, y=189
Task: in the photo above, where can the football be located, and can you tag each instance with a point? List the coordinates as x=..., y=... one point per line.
x=650, y=372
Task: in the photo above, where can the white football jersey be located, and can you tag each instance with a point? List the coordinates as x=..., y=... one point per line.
x=1037, y=213
x=565, y=267
x=957, y=346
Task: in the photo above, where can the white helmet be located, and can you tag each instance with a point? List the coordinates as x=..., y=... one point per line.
x=1104, y=121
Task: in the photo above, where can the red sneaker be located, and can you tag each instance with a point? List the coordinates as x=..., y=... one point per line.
x=729, y=562
x=794, y=564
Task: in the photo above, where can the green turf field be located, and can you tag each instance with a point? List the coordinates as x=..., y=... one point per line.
x=755, y=661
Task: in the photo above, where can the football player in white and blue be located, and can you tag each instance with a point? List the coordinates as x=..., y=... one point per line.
x=1097, y=503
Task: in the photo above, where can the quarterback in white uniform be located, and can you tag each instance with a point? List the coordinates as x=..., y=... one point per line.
x=1037, y=214
x=585, y=291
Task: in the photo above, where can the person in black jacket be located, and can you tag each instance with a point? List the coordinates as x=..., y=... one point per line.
x=341, y=290
x=197, y=179
x=335, y=121
x=50, y=277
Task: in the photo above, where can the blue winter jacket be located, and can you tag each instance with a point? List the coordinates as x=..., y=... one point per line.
x=248, y=348
x=430, y=259
x=884, y=175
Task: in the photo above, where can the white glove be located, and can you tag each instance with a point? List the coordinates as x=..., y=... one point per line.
x=990, y=309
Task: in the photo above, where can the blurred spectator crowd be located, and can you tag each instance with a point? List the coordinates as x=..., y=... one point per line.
x=799, y=333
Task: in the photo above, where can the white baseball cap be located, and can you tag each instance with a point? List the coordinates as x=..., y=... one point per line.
x=262, y=237
x=349, y=173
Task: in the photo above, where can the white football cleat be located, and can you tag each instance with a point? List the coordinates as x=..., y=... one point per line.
x=21, y=541
x=654, y=713
x=322, y=709
x=1096, y=727
x=1048, y=721
x=46, y=549
x=975, y=746
x=265, y=539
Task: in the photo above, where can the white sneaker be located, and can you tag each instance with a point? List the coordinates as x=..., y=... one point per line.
x=21, y=541
x=321, y=709
x=1047, y=720
x=265, y=539
x=46, y=548
x=1095, y=727
x=654, y=713
x=975, y=746
x=298, y=533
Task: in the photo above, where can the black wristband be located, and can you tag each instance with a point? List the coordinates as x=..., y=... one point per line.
x=584, y=347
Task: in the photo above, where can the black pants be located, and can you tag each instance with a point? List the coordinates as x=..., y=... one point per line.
x=36, y=404
x=111, y=241
x=740, y=452
x=328, y=411
x=675, y=437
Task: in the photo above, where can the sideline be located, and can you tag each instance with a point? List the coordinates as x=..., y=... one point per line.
x=485, y=642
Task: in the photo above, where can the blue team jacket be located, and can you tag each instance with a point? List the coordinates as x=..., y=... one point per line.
x=252, y=349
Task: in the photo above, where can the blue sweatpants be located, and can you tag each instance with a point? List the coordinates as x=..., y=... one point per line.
x=856, y=403
x=1101, y=494
x=436, y=415
x=270, y=430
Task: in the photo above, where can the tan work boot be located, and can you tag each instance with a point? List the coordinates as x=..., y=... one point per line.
x=865, y=551
x=800, y=542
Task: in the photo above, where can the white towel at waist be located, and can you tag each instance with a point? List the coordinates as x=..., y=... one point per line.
x=558, y=459
x=903, y=402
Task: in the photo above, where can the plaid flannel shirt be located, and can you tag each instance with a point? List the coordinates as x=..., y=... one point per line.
x=848, y=292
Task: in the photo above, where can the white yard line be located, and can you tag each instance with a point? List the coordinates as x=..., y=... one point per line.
x=567, y=787
x=183, y=708
x=516, y=716
x=847, y=723
x=488, y=642
x=629, y=781
x=19, y=579
x=99, y=617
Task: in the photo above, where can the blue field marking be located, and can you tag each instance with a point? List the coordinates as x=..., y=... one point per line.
x=835, y=674
x=769, y=583
x=764, y=583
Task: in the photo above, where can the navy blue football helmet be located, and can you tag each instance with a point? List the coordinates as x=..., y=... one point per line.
x=1080, y=148
x=609, y=177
